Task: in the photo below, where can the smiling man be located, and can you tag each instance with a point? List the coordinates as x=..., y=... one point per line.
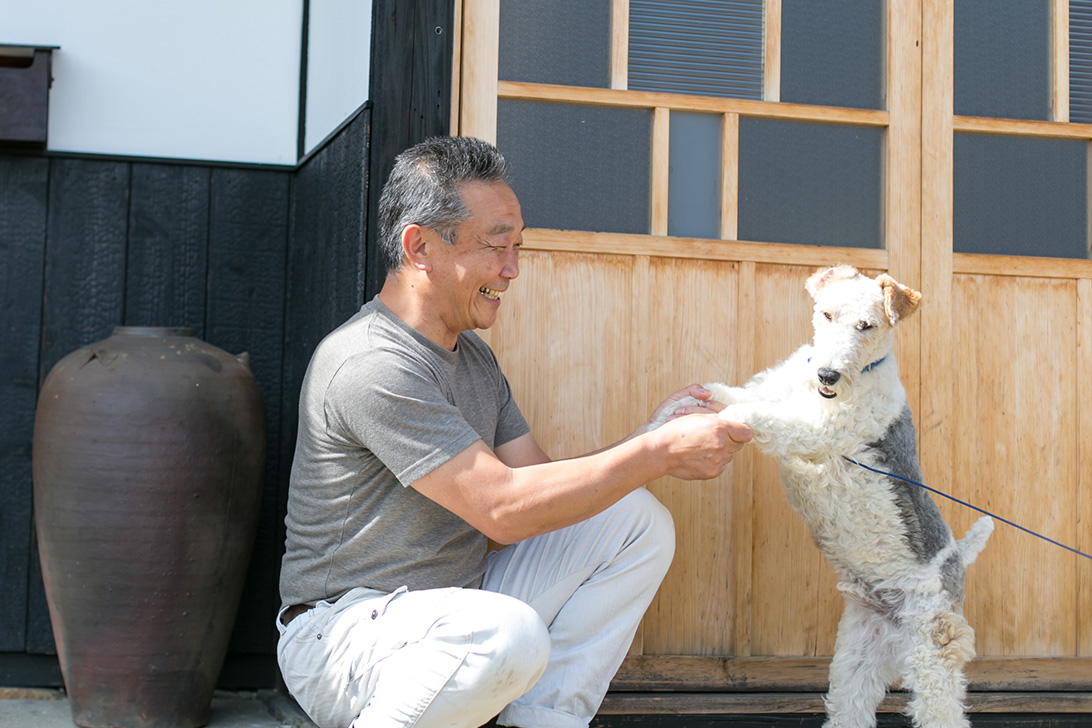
x=412, y=452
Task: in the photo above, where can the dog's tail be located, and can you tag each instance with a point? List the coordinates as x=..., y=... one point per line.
x=975, y=539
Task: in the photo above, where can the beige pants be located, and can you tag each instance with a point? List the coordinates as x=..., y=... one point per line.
x=544, y=636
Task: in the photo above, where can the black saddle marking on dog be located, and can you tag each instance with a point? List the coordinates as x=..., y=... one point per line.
x=896, y=452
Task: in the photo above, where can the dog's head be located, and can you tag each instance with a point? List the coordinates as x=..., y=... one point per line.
x=854, y=319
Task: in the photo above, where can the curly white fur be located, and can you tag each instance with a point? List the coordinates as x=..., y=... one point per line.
x=901, y=572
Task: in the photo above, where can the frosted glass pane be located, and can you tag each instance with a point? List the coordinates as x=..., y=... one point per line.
x=563, y=42
x=1020, y=196
x=578, y=167
x=832, y=53
x=812, y=184
x=693, y=209
x=1002, y=59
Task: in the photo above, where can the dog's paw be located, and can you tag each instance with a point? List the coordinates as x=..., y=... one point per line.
x=667, y=410
x=735, y=413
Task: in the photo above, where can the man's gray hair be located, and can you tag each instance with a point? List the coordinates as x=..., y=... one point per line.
x=423, y=189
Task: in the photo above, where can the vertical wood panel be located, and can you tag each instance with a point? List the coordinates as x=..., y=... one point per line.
x=937, y=364
x=1016, y=452
x=619, y=44
x=247, y=240
x=84, y=292
x=658, y=183
x=743, y=493
x=571, y=382
x=902, y=203
x=771, y=52
x=412, y=46
x=794, y=608
x=85, y=255
x=694, y=335
x=639, y=367
x=1059, y=66
x=1084, y=469
x=729, y=177
x=481, y=44
x=168, y=246
x=456, y=66
x=23, y=205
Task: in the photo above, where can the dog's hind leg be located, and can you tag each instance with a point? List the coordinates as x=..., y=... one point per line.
x=933, y=672
x=863, y=666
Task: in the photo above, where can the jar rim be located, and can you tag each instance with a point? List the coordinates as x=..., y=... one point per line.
x=154, y=330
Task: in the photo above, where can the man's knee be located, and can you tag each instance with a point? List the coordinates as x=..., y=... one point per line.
x=524, y=647
x=652, y=525
x=509, y=644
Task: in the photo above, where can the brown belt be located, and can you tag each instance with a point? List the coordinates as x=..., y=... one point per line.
x=294, y=611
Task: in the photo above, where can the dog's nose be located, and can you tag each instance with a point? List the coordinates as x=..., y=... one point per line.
x=828, y=376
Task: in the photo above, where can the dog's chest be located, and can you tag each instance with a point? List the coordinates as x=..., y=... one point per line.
x=854, y=518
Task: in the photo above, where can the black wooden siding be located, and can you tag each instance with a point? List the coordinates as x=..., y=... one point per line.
x=262, y=260
x=266, y=260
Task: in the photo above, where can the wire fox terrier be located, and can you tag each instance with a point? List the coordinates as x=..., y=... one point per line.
x=832, y=406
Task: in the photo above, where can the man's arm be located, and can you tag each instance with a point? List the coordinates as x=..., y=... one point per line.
x=521, y=452
x=518, y=492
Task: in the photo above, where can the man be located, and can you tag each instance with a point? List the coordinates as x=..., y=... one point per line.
x=411, y=452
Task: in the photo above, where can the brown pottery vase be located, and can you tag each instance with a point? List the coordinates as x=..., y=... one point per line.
x=149, y=450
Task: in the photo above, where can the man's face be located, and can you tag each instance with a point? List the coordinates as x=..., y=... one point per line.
x=477, y=269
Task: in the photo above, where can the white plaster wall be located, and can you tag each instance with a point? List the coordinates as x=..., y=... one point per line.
x=193, y=79
x=339, y=34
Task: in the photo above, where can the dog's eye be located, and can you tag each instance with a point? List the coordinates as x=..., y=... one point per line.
x=829, y=316
x=863, y=326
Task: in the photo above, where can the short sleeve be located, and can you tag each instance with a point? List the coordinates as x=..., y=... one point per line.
x=398, y=411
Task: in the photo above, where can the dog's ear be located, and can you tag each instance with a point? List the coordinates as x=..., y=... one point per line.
x=823, y=277
x=899, y=301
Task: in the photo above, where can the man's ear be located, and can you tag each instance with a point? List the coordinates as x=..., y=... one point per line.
x=415, y=248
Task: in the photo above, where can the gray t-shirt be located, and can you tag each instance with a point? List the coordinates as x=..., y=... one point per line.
x=381, y=406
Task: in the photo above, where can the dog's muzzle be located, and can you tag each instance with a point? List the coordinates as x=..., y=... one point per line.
x=828, y=378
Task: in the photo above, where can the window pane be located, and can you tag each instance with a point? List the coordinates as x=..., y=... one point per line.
x=563, y=42
x=704, y=47
x=1002, y=59
x=832, y=53
x=1020, y=196
x=807, y=183
x=578, y=167
x=1080, y=61
x=693, y=207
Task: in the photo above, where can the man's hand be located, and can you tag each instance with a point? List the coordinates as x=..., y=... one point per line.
x=670, y=408
x=518, y=492
x=700, y=447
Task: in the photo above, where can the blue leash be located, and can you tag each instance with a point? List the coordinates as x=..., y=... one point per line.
x=968, y=505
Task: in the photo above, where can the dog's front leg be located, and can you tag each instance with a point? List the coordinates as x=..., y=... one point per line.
x=730, y=395
x=784, y=429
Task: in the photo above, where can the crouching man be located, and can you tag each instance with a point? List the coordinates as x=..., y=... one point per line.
x=412, y=452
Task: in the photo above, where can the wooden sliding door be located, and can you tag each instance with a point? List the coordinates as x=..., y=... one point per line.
x=684, y=165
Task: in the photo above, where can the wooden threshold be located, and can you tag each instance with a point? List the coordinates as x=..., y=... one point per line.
x=1037, y=703
x=731, y=675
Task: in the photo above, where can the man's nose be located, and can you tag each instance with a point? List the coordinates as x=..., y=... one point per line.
x=511, y=265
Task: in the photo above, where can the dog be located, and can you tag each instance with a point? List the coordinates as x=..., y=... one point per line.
x=834, y=406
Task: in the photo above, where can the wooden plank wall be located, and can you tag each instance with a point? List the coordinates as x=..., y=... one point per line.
x=263, y=260
x=747, y=583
